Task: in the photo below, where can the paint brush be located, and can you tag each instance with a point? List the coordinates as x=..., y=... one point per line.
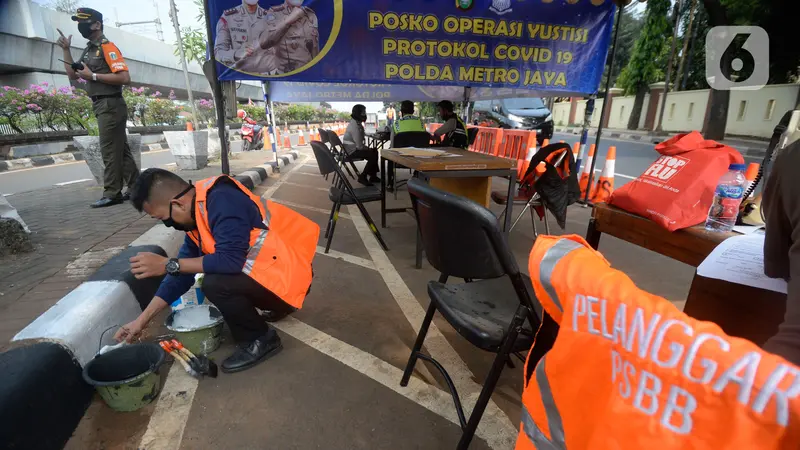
x=175, y=354
x=203, y=363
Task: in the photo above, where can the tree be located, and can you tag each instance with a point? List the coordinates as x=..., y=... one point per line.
x=645, y=67
x=194, y=45
x=631, y=28
x=65, y=6
x=325, y=105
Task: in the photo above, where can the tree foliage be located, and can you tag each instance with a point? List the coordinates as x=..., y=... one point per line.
x=647, y=62
x=193, y=41
x=631, y=28
x=65, y=6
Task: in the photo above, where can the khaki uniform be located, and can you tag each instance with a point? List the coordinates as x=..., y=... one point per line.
x=299, y=44
x=237, y=29
x=111, y=112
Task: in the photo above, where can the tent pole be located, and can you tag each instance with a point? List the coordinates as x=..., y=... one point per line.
x=219, y=102
x=467, y=93
x=606, y=103
x=270, y=122
x=587, y=122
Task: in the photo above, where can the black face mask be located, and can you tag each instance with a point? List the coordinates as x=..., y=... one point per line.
x=171, y=223
x=85, y=29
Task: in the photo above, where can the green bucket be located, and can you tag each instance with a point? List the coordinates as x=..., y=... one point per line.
x=202, y=333
x=126, y=378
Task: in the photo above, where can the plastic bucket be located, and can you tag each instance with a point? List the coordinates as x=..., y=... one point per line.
x=201, y=338
x=126, y=378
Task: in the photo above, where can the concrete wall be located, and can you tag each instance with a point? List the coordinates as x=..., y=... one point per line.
x=28, y=34
x=685, y=111
x=561, y=114
x=620, y=112
x=756, y=113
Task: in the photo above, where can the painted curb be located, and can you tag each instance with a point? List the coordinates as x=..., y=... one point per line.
x=256, y=175
x=59, y=158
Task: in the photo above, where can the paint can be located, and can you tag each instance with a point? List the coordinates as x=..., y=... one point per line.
x=198, y=327
x=127, y=377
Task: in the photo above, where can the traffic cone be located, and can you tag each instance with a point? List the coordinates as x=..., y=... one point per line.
x=287, y=141
x=545, y=143
x=267, y=140
x=750, y=175
x=584, y=181
x=189, y=126
x=605, y=185
x=522, y=165
x=576, y=151
x=302, y=138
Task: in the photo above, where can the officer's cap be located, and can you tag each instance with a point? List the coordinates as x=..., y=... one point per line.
x=87, y=15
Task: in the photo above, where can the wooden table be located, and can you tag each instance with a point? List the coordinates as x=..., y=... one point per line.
x=742, y=311
x=467, y=174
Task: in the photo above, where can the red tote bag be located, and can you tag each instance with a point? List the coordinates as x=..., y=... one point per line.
x=677, y=190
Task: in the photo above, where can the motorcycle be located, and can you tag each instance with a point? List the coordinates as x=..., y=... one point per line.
x=252, y=136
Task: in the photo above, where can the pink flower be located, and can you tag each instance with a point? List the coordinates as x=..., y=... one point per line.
x=172, y=95
x=81, y=81
x=44, y=83
x=13, y=102
x=157, y=94
x=19, y=108
x=27, y=92
x=7, y=88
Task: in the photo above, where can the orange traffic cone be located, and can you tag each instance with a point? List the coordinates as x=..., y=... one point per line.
x=545, y=142
x=605, y=185
x=189, y=126
x=576, y=151
x=267, y=140
x=584, y=181
x=522, y=165
x=302, y=138
x=750, y=175
x=287, y=141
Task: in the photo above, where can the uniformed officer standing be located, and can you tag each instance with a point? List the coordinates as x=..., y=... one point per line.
x=293, y=33
x=106, y=72
x=236, y=44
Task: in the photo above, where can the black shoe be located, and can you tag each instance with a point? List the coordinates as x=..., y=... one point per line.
x=274, y=316
x=374, y=179
x=126, y=197
x=363, y=180
x=253, y=353
x=103, y=202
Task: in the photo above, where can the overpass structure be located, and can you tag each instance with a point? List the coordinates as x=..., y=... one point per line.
x=30, y=54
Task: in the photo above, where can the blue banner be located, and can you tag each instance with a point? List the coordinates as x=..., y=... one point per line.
x=557, y=46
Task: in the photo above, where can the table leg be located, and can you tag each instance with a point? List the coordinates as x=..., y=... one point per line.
x=592, y=235
x=383, y=193
x=509, y=202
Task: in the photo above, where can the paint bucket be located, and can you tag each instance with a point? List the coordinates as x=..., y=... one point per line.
x=127, y=377
x=199, y=328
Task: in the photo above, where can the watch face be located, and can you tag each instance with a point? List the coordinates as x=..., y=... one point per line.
x=173, y=266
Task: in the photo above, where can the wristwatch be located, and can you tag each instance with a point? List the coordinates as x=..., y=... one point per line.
x=94, y=76
x=173, y=267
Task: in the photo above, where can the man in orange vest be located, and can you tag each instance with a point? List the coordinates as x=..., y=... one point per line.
x=254, y=254
x=616, y=367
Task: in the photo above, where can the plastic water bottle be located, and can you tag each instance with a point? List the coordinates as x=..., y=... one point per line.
x=727, y=198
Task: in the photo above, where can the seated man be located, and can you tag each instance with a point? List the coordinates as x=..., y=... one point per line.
x=616, y=367
x=354, y=141
x=408, y=122
x=254, y=254
x=453, y=133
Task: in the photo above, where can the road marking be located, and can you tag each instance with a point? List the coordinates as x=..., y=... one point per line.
x=8, y=195
x=289, y=183
x=619, y=175
x=171, y=164
x=166, y=426
x=428, y=396
x=283, y=177
x=66, y=183
x=503, y=432
x=309, y=174
x=311, y=208
x=347, y=258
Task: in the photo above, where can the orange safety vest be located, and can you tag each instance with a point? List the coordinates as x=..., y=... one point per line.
x=280, y=256
x=628, y=370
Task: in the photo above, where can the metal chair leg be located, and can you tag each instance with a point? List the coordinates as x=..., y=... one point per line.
x=333, y=226
x=371, y=224
x=522, y=213
x=423, y=331
x=546, y=223
x=330, y=220
x=533, y=222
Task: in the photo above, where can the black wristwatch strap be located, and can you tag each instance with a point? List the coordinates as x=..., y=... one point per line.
x=173, y=267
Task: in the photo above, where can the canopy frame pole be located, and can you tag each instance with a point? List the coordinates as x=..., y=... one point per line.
x=606, y=103
x=269, y=110
x=467, y=94
x=587, y=122
x=219, y=102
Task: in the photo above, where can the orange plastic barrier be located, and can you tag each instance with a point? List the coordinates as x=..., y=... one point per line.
x=488, y=140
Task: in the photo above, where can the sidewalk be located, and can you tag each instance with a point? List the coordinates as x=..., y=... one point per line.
x=71, y=240
x=748, y=147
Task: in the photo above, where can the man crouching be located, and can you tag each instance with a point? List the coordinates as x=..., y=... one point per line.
x=254, y=254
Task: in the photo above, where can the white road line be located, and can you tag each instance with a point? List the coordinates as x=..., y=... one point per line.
x=283, y=177
x=503, y=432
x=8, y=195
x=66, y=183
x=309, y=174
x=347, y=258
x=619, y=175
x=418, y=391
x=171, y=164
x=289, y=183
x=166, y=426
x=311, y=208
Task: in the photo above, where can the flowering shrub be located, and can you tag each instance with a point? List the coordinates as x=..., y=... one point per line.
x=41, y=108
x=205, y=109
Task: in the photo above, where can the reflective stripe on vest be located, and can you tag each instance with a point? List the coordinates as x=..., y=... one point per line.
x=255, y=249
x=553, y=255
x=540, y=441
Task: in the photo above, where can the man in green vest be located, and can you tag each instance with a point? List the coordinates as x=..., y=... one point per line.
x=408, y=122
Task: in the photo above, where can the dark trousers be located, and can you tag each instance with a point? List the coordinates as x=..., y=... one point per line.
x=371, y=156
x=120, y=167
x=237, y=297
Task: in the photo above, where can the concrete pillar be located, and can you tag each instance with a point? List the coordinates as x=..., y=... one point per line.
x=190, y=148
x=573, y=109
x=14, y=234
x=613, y=92
x=656, y=89
x=89, y=146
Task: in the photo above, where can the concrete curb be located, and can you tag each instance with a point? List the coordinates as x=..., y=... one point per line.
x=41, y=387
x=747, y=151
x=59, y=158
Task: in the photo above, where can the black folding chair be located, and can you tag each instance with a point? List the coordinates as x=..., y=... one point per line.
x=495, y=309
x=342, y=193
x=419, y=139
x=472, y=133
x=338, y=148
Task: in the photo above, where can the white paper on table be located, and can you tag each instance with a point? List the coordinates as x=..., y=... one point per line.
x=740, y=260
x=748, y=229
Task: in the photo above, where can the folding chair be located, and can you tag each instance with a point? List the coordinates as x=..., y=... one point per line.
x=494, y=309
x=342, y=193
x=419, y=139
x=338, y=148
x=472, y=133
